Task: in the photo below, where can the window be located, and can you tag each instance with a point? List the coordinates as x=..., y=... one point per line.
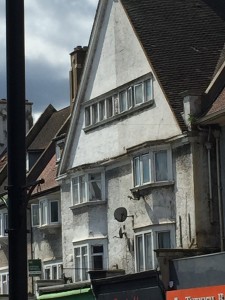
x=3, y=223
x=153, y=166
x=146, y=243
x=59, y=149
x=4, y=283
x=81, y=263
x=46, y=212
x=97, y=257
x=53, y=271
x=88, y=187
x=124, y=99
x=88, y=257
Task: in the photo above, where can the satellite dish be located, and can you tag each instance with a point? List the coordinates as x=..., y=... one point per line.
x=120, y=214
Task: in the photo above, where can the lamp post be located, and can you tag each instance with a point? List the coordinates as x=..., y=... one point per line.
x=17, y=234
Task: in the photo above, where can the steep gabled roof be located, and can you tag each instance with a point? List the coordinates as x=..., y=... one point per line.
x=183, y=40
x=49, y=130
x=50, y=124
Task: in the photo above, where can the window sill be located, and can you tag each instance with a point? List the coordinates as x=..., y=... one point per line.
x=89, y=203
x=49, y=226
x=122, y=115
x=136, y=191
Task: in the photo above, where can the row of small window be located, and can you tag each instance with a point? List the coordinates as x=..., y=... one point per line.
x=46, y=212
x=118, y=103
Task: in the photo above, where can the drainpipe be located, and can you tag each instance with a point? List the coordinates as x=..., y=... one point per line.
x=208, y=147
x=216, y=134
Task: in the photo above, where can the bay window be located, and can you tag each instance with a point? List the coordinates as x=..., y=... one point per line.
x=46, y=212
x=88, y=257
x=53, y=271
x=146, y=242
x=87, y=187
x=153, y=166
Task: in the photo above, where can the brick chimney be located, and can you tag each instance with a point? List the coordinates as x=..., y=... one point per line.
x=77, y=58
x=3, y=121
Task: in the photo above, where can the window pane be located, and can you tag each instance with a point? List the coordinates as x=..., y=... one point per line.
x=138, y=93
x=95, y=188
x=136, y=171
x=161, y=168
x=87, y=116
x=47, y=274
x=123, y=101
x=101, y=110
x=54, y=272
x=145, y=168
x=97, y=257
x=148, y=89
x=148, y=251
x=44, y=212
x=94, y=113
x=75, y=190
x=139, y=250
x=1, y=227
x=130, y=97
x=35, y=214
x=164, y=239
x=77, y=264
x=109, y=107
x=54, y=211
x=82, y=189
x=5, y=223
x=84, y=263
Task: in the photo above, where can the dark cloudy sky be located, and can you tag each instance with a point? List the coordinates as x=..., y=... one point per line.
x=53, y=28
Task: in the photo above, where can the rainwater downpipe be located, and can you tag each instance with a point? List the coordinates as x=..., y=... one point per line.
x=208, y=147
x=216, y=134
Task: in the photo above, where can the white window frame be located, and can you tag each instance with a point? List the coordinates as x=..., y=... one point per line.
x=139, y=181
x=86, y=197
x=4, y=223
x=154, y=231
x=83, y=275
x=116, y=102
x=90, y=263
x=4, y=274
x=50, y=267
x=59, y=149
x=44, y=205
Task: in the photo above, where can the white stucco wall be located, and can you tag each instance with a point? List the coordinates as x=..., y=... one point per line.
x=119, y=58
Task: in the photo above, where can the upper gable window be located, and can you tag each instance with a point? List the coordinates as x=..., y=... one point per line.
x=59, y=149
x=123, y=100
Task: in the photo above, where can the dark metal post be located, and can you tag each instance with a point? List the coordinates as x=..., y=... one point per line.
x=16, y=149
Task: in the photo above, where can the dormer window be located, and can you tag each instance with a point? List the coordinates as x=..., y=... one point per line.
x=59, y=149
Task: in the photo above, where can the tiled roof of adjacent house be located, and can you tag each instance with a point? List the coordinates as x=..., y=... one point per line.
x=49, y=175
x=218, y=105
x=183, y=40
x=50, y=129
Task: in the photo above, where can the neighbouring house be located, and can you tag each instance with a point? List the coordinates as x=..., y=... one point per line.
x=44, y=144
x=134, y=173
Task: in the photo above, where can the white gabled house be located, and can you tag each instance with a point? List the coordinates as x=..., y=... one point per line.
x=131, y=143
